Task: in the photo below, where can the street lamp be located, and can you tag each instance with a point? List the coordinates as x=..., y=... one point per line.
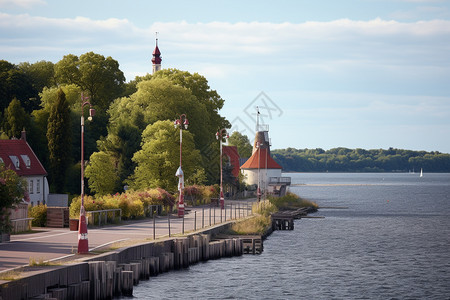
x=83, y=245
x=179, y=123
x=222, y=133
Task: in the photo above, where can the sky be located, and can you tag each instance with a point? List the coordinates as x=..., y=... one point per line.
x=365, y=74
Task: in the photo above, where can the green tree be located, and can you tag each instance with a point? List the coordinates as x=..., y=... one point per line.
x=94, y=73
x=242, y=143
x=14, y=83
x=159, y=158
x=121, y=143
x=166, y=95
x=41, y=73
x=15, y=119
x=157, y=99
x=59, y=141
x=48, y=96
x=12, y=190
x=102, y=174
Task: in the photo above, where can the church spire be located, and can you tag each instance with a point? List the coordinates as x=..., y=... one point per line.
x=156, y=60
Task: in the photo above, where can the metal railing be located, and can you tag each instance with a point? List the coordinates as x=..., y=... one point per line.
x=103, y=216
x=280, y=180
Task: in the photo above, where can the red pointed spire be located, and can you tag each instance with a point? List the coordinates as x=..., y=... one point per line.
x=156, y=60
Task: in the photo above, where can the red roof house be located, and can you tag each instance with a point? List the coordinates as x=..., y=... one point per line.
x=265, y=161
x=18, y=156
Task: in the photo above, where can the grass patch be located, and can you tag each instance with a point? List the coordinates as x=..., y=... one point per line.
x=252, y=226
x=10, y=275
x=290, y=201
x=40, y=262
x=259, y=223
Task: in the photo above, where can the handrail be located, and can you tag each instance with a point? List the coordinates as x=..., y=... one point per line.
x=278, y=180
x=105, y=212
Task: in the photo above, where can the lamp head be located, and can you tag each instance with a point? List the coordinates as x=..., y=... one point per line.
x=91, y=114
x=186, y=123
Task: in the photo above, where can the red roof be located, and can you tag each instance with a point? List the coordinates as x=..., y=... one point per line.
x=252, y=162
x=18, y=156
x=156, y=55
x=232, y=153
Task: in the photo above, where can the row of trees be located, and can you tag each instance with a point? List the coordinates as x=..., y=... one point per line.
x=131, y=141
x=360, y=160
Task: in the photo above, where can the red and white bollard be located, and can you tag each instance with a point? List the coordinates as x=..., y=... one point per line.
x=83, y=244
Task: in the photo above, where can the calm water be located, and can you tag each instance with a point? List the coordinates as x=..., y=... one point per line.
x=393, y=242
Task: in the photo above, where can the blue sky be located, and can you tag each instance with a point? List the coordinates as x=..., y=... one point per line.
x=359, y=74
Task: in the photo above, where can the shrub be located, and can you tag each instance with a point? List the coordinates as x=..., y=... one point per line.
x=291, y=200
x=39, y=215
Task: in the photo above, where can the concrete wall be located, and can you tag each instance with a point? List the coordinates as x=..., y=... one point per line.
x=114, y=273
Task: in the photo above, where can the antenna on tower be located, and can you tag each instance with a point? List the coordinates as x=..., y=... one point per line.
x=257, y=118
x=156, y=36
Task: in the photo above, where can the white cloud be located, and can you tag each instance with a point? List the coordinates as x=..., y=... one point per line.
x=27, y=4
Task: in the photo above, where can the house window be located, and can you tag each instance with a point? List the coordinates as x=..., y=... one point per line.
x=15, y=161
x=27, y=161
x=31, y=188
x=38, y=186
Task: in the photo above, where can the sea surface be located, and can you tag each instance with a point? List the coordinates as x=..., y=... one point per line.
x=384, y=236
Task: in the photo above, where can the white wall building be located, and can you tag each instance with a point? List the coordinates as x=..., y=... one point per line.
x=18, y=156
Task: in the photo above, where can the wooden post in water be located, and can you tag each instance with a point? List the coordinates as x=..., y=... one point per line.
x=182, y=226
x=168, y=220
x=127, y=283
x=154, y=227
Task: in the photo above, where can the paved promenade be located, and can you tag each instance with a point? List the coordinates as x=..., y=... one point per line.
x=56, y=243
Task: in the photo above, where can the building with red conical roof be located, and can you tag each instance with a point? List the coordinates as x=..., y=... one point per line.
x=156, y=60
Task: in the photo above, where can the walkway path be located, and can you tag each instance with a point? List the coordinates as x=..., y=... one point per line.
x=57, y=243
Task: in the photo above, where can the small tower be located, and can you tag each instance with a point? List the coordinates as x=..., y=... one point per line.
x=156, y=60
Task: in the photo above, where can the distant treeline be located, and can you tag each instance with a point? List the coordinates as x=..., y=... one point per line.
x=360, y=160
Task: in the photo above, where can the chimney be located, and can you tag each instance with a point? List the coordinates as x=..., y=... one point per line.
x=23, y=135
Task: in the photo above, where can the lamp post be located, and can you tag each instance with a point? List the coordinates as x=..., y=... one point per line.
x=179, y=123
x=83, y=245
x=222, y=133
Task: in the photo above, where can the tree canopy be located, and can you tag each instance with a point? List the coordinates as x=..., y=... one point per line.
x=158, y=160
x=59, y=141
x=15, y=119
x=360, y=160
x=242, y=143
x=99, y=76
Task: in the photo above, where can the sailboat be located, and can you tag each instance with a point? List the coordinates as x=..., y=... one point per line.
x=421, y=172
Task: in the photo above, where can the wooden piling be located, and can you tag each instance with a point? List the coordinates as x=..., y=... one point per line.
x=127, y=283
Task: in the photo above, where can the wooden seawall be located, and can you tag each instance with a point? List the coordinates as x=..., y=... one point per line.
x=115, y=273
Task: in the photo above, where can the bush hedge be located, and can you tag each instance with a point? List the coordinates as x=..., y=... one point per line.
x=39, y=215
